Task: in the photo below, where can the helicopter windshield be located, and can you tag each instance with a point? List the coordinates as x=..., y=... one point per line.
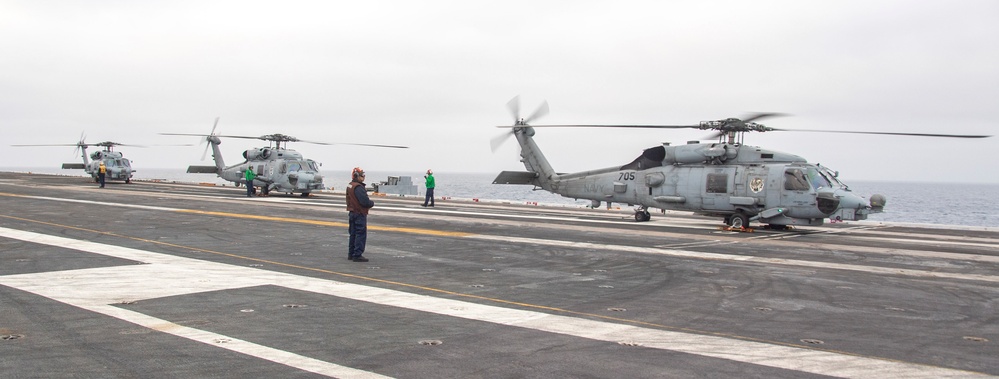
x=312, y=165
x=817, y=179
x=295, y=166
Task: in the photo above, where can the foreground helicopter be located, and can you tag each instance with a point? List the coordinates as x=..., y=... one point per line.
x=118, y=168
x=725, y=178
x=277, y=167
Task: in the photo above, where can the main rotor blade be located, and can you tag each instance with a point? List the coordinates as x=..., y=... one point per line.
x=612, y=126
x=65, y=144
x=886, y=133
x=209, y=135
x=758, y=116
x=362, y=144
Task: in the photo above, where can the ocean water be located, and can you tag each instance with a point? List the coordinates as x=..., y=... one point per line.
x=921, y=203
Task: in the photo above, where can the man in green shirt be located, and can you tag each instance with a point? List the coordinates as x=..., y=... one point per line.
x=429, y=201
x=250, y=190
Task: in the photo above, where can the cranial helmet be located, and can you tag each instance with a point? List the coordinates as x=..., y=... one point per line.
x=357, y=173
x=430, y=172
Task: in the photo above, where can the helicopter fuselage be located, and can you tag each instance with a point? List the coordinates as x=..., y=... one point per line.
x=737, y=182
x=116, y=166
x=277, y=169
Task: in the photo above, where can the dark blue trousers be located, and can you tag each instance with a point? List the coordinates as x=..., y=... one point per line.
x=358, y=228
x=101, y=178
x=430, y=197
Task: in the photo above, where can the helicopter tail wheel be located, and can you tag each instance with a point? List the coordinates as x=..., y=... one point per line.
x=738, y=221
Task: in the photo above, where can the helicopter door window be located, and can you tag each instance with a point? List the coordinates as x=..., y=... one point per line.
x=284, y=167
x=794, y=180
x=717, y=183
x=260, y=170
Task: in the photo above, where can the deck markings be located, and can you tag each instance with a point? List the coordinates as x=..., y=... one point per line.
x=96, y=289
x=689, y=254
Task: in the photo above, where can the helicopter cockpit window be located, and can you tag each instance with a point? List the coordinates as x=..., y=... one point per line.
x=831, y=177
x=817, y=179
x=295, y=166
x=794, y=180
x=313, y=165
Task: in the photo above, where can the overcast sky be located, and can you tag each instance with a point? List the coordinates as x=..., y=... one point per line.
x=436, y=76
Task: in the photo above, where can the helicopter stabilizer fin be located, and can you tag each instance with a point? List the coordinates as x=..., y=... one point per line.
x=516, y=177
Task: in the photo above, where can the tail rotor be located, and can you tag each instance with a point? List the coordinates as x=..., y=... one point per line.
x=207, y=139
x=81, y=144
x=514, y=106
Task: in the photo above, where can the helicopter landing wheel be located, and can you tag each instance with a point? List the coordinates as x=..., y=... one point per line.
x=738, y=221
x=305, y=194
x=642, y=216
x=128, y=180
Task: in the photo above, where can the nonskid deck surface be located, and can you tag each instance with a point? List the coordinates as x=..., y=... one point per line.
x=168, y=280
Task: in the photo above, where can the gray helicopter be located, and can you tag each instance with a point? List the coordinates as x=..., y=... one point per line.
x=117, y=167
x=277, y=167
x=726, y=178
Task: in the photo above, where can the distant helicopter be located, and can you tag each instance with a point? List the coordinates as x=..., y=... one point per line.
x=117, y=167
x=726, y=178
x=277, y=167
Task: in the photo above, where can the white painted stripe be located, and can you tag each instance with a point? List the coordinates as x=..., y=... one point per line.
x=97, y=287
x=737, y=258
x=237, y=345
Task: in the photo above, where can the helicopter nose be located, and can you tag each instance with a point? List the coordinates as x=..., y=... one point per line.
x=827, y=202
x=308, y=181
x=851, y=201
x=878, y=202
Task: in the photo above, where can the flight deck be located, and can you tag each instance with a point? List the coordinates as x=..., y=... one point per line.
x=163, y=280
